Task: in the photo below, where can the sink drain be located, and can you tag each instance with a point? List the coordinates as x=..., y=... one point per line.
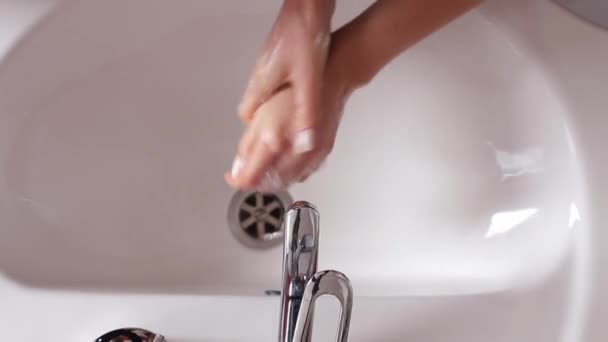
x=256, y=218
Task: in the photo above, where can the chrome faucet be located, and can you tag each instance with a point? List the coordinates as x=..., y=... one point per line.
x=302, y=284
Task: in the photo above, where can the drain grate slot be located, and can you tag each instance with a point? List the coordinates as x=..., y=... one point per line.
x=256, y=218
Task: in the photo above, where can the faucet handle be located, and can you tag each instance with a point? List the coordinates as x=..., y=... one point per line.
x=326, y=283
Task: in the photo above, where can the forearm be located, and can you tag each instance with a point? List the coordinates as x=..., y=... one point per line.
x=387, y=28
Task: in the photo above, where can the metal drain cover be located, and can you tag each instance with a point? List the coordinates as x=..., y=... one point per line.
x=256, y=218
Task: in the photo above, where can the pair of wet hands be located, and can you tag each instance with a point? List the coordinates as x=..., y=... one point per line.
x=289, y=126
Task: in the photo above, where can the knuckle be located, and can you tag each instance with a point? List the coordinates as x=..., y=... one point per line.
x=273, y=141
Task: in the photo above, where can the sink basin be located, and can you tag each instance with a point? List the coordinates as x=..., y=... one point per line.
x=465, y=197
x=454, y=172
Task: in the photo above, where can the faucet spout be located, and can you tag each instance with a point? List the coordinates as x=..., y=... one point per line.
x=299, y=265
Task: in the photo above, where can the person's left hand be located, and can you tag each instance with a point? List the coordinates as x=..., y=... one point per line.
x=287, y=76
x=268, y=159
x=294, y=54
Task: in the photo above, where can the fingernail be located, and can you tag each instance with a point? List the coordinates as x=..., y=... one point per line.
x=237, y=165
x=303, y=141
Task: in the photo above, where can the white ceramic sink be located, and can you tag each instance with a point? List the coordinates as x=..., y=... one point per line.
x=456, y=172
x=450, y=171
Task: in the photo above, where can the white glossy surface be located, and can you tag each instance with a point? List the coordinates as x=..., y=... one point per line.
x=502, y=59
x=118, y=136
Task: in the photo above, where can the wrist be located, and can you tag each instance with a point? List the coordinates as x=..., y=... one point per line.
x=317, y=14
x=349, y=58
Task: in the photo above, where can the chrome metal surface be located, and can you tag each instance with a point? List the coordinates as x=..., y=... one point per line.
x=326, y=283
x=256, y=218
x=301, y=226
x=302, y=284
x=130, y=335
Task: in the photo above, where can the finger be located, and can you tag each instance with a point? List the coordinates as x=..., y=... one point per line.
x=230, y=180
x=263, y=155
x=247, y=142
x=291, y=168
x=313, y=167
x=268, y=75
x=271, y=182
x=307, y=96
x=245, y=147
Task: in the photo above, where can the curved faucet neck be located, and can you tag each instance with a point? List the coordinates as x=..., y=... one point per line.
x=301, y=227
